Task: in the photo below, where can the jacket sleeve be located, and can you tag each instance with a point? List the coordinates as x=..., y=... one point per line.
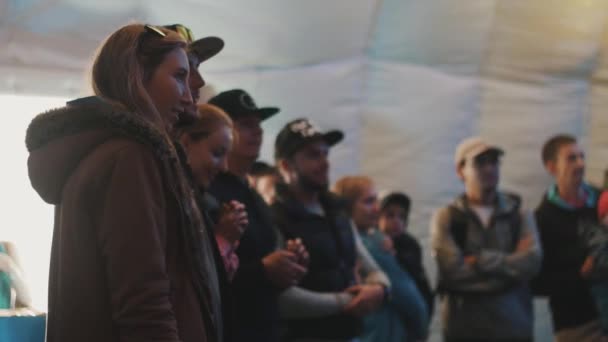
x=406, y=299
x=298, y=303
x=454, y=273
x=523, y=263
x=371, y=272
x=252, y=274
x=132, y=240
x=422, y=280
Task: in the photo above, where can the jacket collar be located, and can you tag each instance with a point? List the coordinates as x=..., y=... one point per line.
x=91, y=113
x=330, y=202
x=505, y=203
x=590, y=192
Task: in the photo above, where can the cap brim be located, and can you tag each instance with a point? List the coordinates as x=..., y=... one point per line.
x=206, y=48
x=490, y=149
x=333, y=137
x=266, y=112
x=261, y=113
x=479, y=150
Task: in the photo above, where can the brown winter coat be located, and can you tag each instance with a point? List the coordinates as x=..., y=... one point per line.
x=129, y=262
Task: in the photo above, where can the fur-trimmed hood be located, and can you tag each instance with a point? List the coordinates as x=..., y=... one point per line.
x=58, y=140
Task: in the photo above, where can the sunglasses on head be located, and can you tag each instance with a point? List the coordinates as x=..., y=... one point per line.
x=183, y=31
x=154, y=29
x=149, y=31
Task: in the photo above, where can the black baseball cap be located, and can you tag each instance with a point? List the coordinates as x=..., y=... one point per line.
x=203, y=48
x=238, y=103
x=300, y=132
x=397, y=198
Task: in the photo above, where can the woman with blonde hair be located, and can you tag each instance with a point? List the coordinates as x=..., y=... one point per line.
x=206, y=143
x=129, y=260
x=405, y=317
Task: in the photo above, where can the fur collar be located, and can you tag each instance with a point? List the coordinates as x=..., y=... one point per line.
x=94, y=113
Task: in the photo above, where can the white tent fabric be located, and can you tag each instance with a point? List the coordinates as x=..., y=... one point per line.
x=406, y=80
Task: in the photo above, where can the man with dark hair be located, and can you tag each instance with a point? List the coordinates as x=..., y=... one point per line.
x=393, y=221
x=486, y=250
x=305, y=209
x=551, y=147
x=568, y=205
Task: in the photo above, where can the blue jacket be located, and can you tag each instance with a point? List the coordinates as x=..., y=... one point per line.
x=405, y=317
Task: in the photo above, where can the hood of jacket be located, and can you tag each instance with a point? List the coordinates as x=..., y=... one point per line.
x=59, y=139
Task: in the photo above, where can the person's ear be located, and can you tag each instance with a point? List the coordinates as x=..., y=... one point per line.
x=551, y=167
x=285, y=168
x=460, y=171
x=284, y=165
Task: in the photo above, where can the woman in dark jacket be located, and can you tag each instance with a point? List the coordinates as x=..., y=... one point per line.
x=129, y=259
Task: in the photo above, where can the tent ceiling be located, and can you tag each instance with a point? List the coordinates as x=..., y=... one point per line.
x=406, y=80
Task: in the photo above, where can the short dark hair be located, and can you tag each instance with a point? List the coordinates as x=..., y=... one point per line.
x=552, y=146
x=260, y=168
x=397, y=198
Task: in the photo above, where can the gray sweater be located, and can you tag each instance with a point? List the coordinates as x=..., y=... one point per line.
x=491, y=298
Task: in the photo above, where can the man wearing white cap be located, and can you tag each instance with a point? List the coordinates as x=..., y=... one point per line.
x=486, y=248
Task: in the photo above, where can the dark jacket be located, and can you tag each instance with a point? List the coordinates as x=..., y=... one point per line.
x=570, y=300
x=331, y=245
x=255, y=297
x=409, y=255
x=128, y=262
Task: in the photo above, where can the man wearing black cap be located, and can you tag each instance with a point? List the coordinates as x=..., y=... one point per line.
x=304, y=209
x=263, y=271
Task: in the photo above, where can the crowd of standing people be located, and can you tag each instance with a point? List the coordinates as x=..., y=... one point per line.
x=168, y=228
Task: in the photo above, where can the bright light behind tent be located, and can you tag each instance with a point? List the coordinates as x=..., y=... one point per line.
x=25, y=219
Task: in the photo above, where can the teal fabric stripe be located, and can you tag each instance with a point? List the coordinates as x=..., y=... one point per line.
x=553, y=196
x=5, y=287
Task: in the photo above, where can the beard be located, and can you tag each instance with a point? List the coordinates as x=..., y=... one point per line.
x=311, y=185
